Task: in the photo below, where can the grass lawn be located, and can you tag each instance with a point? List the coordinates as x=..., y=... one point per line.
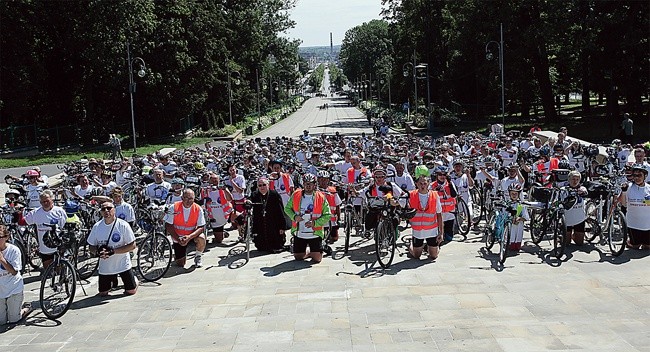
x=72, y=155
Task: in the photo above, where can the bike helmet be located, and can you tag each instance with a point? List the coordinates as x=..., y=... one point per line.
x=591, y=150
x=177, y=181
x=323, y=174
x=440, y=169
x=198, y=166
x=71, y=207
x=640, y=167
x=616, y=142
x=563, y=164
x=490, y=159
x=421, y=170
x=379, y=169
x=32, y=173
x=309, y=178
x=12, y=191
x=515, y=186
x=544, y=150
x=458, y=162
x=558, y=148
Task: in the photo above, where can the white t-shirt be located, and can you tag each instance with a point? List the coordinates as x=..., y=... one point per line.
x=56, y=215
x=169, y=169
x=11, y=284
x=280, y=188
x=622, y=156
x=462, y=185
x=638, y=207
x=240, y=181
x=342, y=167
x=109, y=187
x=173, y=197
x=120, y=236
x=158, y=190
x=424, y=234
x=33, y=194
x=125, y=212
x=82, y=192
x=508, y=156
x=405, y=181
x=306, y=208
x=577, y=213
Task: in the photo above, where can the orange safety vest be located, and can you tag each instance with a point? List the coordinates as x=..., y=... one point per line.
x=425, y=217
x=185, y=228
x=446, y=200
x=351, y=178
x=286, y=180
x=331, y=200
x=319, y=199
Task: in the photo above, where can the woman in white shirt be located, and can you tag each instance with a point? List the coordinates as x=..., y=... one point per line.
x=636, y=196
x=11, y=282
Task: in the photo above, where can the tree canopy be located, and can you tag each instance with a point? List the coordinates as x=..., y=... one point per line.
x=550, y=48
x=65, y=62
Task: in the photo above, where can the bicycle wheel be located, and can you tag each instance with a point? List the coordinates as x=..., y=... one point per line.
x=538, y=226
x=617, y=233
x=385, y=243
x=32, y=250
x=504, y=243
x=462, y=217
x=58, y=287
x=559, y=236
x=348, y=231
x=85, y=263
x=154, y=257
x=488, y=233
x=592, y=221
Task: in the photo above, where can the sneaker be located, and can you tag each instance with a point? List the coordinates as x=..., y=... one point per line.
x=198, y=261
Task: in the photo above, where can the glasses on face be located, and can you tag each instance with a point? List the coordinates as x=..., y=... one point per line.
x=106, y=208
x=262, y=185
x=380, y=176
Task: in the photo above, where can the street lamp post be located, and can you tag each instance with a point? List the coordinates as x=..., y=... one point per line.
x=489, y=56
x=236, y=79
x=259, y=111
x=408, y=69
x=141, y=73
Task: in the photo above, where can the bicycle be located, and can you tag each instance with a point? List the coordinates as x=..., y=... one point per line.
x=462, y=219
x=386, y=232
x=154, y=256
x=59, y=282
x=353, y=216
x=498, y=228
x=550, y=213
x=609, y=227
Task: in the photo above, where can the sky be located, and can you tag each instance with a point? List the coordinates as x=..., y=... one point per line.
x=315, y=19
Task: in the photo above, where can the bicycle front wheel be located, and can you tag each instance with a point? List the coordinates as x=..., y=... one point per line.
x=592, y=221
x=538, y=225
x=617, y=233
x=154, y=257
x=504, y=243
x=385, y=243
x=32, y=251
x=58, y=287
x=488, y=233
x=462, y=217
x=560, y=239
x=86, y=264
x=348, y=230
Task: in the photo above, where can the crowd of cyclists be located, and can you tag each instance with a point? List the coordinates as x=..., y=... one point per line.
x=323, y=188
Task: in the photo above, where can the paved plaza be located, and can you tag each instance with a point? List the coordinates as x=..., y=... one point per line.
x=461, y=302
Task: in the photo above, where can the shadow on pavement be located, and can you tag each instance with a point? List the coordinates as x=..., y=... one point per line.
x=96, y=300
x=359, y=124
x=236, y=257
x=285, y=267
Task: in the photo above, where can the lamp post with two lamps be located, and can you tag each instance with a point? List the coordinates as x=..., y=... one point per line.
x=233, y=77
x=141, y=73
x=490, y=56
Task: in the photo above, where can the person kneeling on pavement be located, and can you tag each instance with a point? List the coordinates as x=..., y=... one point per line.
x=427, y=223
x=310, y=211
x=112, y=239
x=380, y=188
x=185, y=223
x=11, y=282
x=268, y=218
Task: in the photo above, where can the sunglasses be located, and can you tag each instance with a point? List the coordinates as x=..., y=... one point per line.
x=262, y=185
x=106, y=208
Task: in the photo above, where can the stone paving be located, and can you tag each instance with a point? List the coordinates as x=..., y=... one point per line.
x=461, y=302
